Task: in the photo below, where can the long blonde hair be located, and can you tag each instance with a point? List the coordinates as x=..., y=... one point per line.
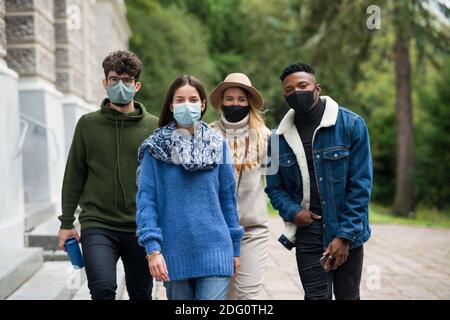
x=256, y=119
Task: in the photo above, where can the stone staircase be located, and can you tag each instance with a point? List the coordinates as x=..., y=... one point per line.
x=39, y=271
x=45, y=236
x=16, y=267
x=42, y=272
x=55, y=280
x=37, y=213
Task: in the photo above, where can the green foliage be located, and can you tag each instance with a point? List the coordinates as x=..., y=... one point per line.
x=224, y=22
x=424, y=217
x=211, y=38
x=433, y=141
x=170, y=43
x=374, y=97
x=281, y=32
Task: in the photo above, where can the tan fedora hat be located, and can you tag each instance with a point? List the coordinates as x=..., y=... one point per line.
x=239, y=80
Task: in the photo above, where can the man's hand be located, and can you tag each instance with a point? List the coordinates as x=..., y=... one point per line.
x=158, y=268
x=337, y=252
x=64, y=234
x=236, y=263
x=305, y=217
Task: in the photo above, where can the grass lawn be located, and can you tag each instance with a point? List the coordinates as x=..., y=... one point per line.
x=424, y=217
x=380, y=214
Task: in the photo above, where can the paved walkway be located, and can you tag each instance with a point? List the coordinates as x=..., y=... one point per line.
x=401, y=262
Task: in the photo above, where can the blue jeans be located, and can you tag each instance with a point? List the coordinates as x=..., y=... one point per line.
x=206, y=288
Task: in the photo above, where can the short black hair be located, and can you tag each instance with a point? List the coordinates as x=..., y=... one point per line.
x=123, y=62
x=297, y=67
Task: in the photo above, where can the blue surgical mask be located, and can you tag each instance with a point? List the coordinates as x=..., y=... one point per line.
x=187, y=114
x=120, y=93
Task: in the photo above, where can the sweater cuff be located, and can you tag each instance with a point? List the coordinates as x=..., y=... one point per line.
x=151, y=246
x=237, y=248
x=66, y=223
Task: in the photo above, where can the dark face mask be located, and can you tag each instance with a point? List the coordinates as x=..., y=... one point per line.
x=235, y=113
x=301, y=101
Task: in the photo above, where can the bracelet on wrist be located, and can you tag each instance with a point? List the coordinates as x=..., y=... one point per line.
x=152, y=254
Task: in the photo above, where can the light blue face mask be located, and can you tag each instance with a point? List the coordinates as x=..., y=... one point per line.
x=120, y=93
x=187, y=114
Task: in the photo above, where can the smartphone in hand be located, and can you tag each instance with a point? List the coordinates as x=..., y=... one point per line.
x=326, y=266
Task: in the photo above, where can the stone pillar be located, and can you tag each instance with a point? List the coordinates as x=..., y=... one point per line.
x=112, y=33
x=11, y=183
x=31, y=53
x=90, y=58
x=73, y=48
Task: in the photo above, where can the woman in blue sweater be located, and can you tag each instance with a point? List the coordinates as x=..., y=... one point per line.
x=186, y=201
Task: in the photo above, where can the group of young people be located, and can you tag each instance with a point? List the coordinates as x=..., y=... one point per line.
x=184, y=202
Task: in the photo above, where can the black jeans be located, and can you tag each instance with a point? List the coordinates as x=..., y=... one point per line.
x=318, y=284
x=101, y=251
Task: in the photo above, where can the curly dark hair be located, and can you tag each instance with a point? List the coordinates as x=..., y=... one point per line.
x=297, y=67
x=123, y=62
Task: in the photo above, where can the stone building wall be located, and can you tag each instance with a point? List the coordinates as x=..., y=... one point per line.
x=50, y=75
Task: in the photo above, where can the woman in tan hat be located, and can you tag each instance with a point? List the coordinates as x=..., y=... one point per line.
x=242, y=125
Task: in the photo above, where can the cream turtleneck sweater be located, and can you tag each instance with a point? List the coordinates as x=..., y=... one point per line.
x=252, y=204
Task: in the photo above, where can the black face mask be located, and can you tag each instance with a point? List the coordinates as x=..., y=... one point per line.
x=235, y=113
x=301, y=101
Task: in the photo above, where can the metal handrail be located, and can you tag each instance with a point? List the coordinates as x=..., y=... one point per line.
x=42, y=125
x=22, y=138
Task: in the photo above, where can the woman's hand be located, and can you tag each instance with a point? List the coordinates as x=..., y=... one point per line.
x=236, y=263
x=158, y=268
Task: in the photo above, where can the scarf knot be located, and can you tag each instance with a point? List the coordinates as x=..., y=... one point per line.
x=201, y=151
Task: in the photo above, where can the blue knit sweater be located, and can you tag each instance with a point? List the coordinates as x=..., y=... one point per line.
x=190, y=216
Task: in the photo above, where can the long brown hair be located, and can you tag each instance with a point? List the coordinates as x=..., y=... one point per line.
x=166, y=116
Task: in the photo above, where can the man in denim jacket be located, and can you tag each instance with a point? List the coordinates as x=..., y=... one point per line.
x=322, y=187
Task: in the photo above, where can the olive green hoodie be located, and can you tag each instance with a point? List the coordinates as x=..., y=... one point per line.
x=100, y=173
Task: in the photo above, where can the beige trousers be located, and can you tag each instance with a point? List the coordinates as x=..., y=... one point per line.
x=254, y=251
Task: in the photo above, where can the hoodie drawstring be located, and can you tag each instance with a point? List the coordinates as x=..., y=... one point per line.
x=117, y=166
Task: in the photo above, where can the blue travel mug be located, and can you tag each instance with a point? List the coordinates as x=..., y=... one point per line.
x=74, y=252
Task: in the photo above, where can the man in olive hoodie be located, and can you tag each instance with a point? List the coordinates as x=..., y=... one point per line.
x=100, y=177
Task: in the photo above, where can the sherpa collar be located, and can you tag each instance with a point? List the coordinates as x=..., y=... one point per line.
x=328, y=119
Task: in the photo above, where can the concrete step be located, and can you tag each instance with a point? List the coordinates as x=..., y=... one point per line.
x=121, y=294
x=53, y=281
x=55, y=255
x=37, y=213
x=16, y=267
x=45, y=235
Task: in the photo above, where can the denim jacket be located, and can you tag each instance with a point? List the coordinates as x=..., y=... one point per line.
x=343, y=167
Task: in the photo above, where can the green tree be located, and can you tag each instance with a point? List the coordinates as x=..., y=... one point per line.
x=379, y=74
x=224, y=21
x=375, y=95
x=280, y=32
x=170, y=42
x=411, y=20
x=433, y=158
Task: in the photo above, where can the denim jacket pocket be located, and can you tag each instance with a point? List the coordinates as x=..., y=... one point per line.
x=336, y=164
x=290, y=171
x=287, y=160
